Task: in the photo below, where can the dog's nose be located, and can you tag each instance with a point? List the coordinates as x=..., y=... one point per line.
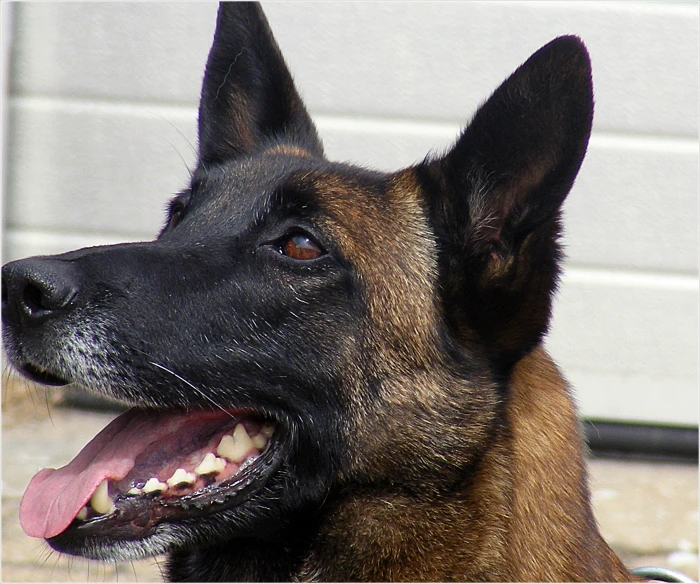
x=36, y=288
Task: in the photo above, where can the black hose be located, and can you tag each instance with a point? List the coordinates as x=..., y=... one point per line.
x=621, y=438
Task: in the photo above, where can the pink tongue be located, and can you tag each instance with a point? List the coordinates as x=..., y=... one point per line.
x=54, y=497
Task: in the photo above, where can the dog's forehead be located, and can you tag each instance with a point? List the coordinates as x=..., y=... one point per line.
x=283, y=182
x=245, y=180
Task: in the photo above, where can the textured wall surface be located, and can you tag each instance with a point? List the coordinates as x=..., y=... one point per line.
x=102, y=115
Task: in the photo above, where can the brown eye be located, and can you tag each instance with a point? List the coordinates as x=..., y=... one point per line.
x=301, y=247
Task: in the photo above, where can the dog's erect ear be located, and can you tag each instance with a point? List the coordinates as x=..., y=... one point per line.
x=248, y=96
x=494, y=200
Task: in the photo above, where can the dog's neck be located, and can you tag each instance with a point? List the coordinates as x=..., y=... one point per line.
x=558, y=540
x=522, y=515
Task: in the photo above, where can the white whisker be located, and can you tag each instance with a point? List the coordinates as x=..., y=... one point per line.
x=194, y=387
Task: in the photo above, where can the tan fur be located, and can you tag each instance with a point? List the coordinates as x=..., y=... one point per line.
x=393, y=252
x=523, y=515
x=553, y=530
x=289, y=150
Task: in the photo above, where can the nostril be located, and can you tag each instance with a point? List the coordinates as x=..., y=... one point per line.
x=42, y=297
x=33, y=299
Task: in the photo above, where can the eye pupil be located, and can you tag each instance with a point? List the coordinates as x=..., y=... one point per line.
x=301, y=247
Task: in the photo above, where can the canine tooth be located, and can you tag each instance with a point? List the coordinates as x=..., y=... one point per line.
x=100, y=500
x=153, y=485
x=210, y=464
x=267, y=430
x=259, y=441
x=181, y=477
x=82, y=514
x=235, y=447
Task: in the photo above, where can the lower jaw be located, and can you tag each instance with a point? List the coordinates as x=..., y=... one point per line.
x=133, y=533
x=112, y=549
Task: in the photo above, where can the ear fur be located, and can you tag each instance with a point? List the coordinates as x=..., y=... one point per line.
x=495, y=200
x=248, y=95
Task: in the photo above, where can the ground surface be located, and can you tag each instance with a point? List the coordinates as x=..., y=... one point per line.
x=648, y=511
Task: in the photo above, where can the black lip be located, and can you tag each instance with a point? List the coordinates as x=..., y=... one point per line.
x=40, y=375
x=137, y=517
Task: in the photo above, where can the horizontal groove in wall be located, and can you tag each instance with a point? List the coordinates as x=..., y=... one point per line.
x=100, y=104
x=607, y=138
x=634, y=278
x=97, y=236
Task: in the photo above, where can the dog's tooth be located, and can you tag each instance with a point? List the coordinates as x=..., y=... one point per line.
x=235, y=447
x=153, y=485
x=181, y=477
x=82, y=514
x=134, y=491
x=241, y=437
x=259, y=441
x=210, y=464
x=268, y=429
x=100, y=500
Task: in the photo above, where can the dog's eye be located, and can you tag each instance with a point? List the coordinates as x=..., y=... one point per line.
x=176, y=215
x=301, y=247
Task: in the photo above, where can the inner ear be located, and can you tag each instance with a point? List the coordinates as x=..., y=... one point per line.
x=248, y=96
x=518, y=158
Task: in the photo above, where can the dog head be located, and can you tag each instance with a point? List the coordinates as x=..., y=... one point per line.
x=357, y=325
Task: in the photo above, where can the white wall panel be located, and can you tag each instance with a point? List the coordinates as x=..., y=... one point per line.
x=438, y=60
x=425, y=59
x=635, y=205
x=140, y=51
x=96, y=168
x=628, y=344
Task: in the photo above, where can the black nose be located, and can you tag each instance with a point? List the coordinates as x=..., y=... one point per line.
x=35, y=289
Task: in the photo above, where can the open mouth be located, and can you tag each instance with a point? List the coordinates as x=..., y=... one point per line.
x=147, y=467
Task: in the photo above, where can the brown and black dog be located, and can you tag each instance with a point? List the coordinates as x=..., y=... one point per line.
x=336, y=374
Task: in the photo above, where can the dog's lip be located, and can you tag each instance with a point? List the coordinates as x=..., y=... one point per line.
x=166, y=438
x=41, y=375
x=137, y=517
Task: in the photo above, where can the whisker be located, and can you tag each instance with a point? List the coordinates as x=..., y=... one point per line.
x=32, y=390
x=160, y=567
x=48, y=405
x=55, y=564
x=194, y=387
x=185, y=138
x=43, y=553
x=6, y=376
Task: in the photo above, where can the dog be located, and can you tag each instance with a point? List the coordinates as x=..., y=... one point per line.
x=334, y=373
